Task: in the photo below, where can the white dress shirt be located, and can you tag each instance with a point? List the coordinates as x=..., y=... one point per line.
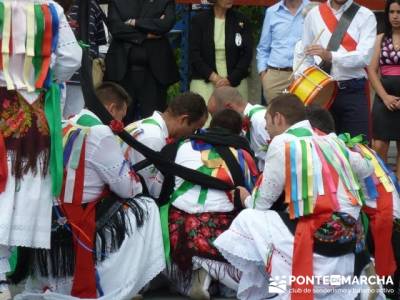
x=259, y=136
x=216, y=201
x=64, y=62
x=155, y=137
x=345, y=65
x=274, y=176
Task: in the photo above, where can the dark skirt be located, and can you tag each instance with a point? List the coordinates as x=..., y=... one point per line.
x=386, y=123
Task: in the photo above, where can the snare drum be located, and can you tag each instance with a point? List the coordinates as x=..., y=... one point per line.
x=314, y=86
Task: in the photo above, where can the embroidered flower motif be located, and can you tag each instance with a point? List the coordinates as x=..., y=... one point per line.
x=6, y=103
x=116, y=126
x=246, y=124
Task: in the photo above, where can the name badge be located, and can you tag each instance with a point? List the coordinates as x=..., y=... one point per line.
x=238, y=39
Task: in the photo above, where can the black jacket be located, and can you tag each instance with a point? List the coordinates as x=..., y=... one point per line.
x=147, y=14
x=202, y=48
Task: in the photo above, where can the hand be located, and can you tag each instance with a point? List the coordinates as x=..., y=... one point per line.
x=222, y=82
x=320, y=51
x=131, y=22
x=214, y=78
x=391, y=102
x=262, y=74
x=243, y=194
x=162, y=17
x=152, y=36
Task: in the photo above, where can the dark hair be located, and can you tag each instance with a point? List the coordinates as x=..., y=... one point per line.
x=190, y=104
x=65, y=4
x=387, y=25
x=288, y=105
x=227, y=119
x=110, y=92
x=320, y=118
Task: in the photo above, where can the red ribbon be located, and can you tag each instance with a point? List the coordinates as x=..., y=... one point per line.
x=46, y=47
x=331, y=22
x=381, y=224
x=303, y=250
x=3, y=165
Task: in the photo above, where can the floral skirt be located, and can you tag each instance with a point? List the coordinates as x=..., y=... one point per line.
x=194, y=234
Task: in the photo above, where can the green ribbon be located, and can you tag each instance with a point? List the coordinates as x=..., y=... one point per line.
x=37, y=60
x=52, y=111
x=352, y=141
x=13, y=260
x=151, y=121
x=164, y=211
x=300, y=132
x=83, y=45
x=252, y=111
x=88, y=121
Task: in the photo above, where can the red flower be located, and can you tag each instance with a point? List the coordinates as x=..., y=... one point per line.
x=202, y=244
x=204, y=217
x=224, y=221
x=116, y=126
x=173, y=227
x=246, y=124
x=206, y=232
x=174, y=239
x=218, y=232
x=6, y=103
x=213, y=252
x=174, y=216
x=191, y=223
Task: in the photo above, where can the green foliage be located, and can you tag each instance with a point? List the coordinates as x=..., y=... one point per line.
x=256, y=16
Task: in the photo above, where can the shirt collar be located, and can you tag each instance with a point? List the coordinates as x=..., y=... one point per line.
x=84, y=111
x=247, y=108
x=159, y=119
x=342, y=8
x=281, y=5
x=302, y=124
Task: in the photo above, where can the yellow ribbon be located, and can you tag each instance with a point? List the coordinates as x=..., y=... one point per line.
x=5, y=45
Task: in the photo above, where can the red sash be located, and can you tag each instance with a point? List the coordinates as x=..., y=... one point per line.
x=381, y=224
x=331, y=22
x=303, y=249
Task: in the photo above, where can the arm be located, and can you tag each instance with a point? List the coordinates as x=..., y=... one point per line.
x=308, y=38
x=242, y=67
x=120, y=30
x=196, y=59
x=68, y=54
x=264, y=46
x=373, y=75
x=112, y=169
x=360, y=166
x=158, y=26
x=273, y=181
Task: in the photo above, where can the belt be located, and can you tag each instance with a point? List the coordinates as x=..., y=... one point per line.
x=288, y=69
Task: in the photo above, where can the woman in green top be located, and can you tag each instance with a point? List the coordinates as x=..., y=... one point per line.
x=221, y=49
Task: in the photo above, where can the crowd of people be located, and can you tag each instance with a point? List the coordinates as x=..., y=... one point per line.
x=207, y=194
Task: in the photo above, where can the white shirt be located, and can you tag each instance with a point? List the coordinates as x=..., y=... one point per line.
x=105, y=167
x=64, y=62
x=259, y=136
x=216, y=201
x=274, y=176
x=154, y=137
x=345, y=65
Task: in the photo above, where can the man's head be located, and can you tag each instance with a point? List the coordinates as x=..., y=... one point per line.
x=114, y=98
x=185, y=114
x=227, y=119
x=339, y=2
x=320, y=118
x=284, y=111
x=226, y=97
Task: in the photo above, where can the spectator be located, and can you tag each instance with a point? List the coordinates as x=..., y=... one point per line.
x=386, y=64
x=282, y=28
x=140, y=57
x=221, y=49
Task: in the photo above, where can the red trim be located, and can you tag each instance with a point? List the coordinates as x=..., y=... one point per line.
x=331, y=22
x=3, y=165
x=46, y=47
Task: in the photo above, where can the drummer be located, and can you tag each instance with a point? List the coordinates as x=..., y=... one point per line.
x=347, y=64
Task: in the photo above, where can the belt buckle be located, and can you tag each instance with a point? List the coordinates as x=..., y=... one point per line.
x=341, y=85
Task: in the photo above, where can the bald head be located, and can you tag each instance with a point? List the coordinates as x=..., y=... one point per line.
x=226, y=97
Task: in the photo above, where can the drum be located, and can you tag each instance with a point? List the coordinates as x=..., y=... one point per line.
x=314, y=86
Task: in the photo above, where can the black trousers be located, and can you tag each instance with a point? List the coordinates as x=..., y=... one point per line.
x=146, y=92
x=350, y=108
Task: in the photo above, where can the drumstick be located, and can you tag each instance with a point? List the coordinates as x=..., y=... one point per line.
x=303, y=59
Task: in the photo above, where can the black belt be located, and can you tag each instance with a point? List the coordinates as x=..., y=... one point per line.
x=287, y=69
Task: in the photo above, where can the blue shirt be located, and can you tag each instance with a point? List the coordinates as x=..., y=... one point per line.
x=281, y=31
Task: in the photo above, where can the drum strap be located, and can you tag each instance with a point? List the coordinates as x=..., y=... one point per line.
x=339, y=33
